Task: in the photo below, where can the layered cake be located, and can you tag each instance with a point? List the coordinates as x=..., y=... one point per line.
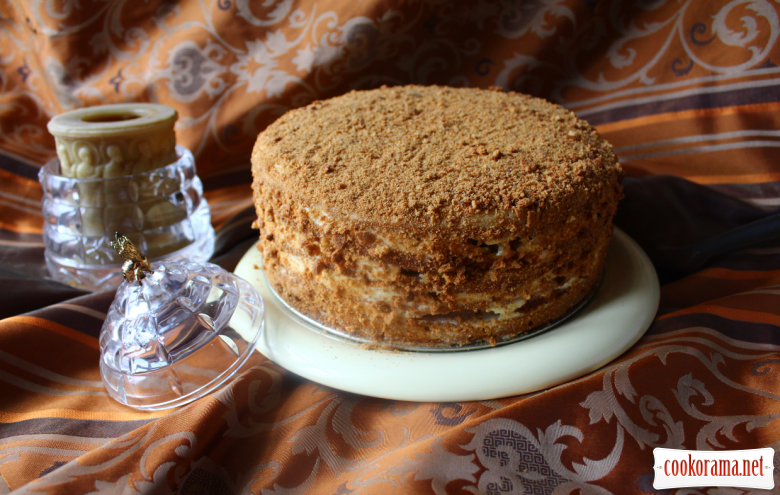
x=433, y=216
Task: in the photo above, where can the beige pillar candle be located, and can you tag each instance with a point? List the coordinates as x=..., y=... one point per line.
x=114, y=140
x=111, y=141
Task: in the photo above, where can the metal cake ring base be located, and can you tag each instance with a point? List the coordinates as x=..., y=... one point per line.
x=343, y=336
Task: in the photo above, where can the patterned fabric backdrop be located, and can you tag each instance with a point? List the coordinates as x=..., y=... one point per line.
x=687, y=91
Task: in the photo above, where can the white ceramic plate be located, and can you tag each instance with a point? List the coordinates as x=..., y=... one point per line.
x=613, y=321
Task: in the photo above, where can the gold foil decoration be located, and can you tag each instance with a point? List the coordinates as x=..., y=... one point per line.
x=136, y=266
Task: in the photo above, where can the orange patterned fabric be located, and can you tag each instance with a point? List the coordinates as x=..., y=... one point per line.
x=688, y=92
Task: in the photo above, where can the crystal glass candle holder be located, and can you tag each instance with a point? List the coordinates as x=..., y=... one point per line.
x=178, y=334
x=162, y=211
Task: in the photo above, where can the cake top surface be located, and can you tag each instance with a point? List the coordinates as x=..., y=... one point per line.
x=429, y=156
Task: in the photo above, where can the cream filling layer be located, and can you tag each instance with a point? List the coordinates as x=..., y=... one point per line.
x=414, y=246
x=356, y=288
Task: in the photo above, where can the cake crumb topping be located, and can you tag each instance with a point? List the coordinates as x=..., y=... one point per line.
x=430, y=157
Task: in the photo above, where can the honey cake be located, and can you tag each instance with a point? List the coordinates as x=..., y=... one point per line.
x=433, y=216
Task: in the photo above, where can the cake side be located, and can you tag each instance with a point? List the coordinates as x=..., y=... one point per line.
x=423, y=243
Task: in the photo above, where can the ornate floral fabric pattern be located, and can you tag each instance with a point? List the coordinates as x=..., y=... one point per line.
x=688, y=92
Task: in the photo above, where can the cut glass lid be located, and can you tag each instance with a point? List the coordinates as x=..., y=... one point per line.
x=176, y=331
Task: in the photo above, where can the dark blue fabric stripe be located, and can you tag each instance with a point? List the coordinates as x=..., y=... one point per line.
x=757, y=333
x=10, y=235
x=75, y=427
x=79, y=322
x=703, y=100
x=759, y=190
x=17, y=167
